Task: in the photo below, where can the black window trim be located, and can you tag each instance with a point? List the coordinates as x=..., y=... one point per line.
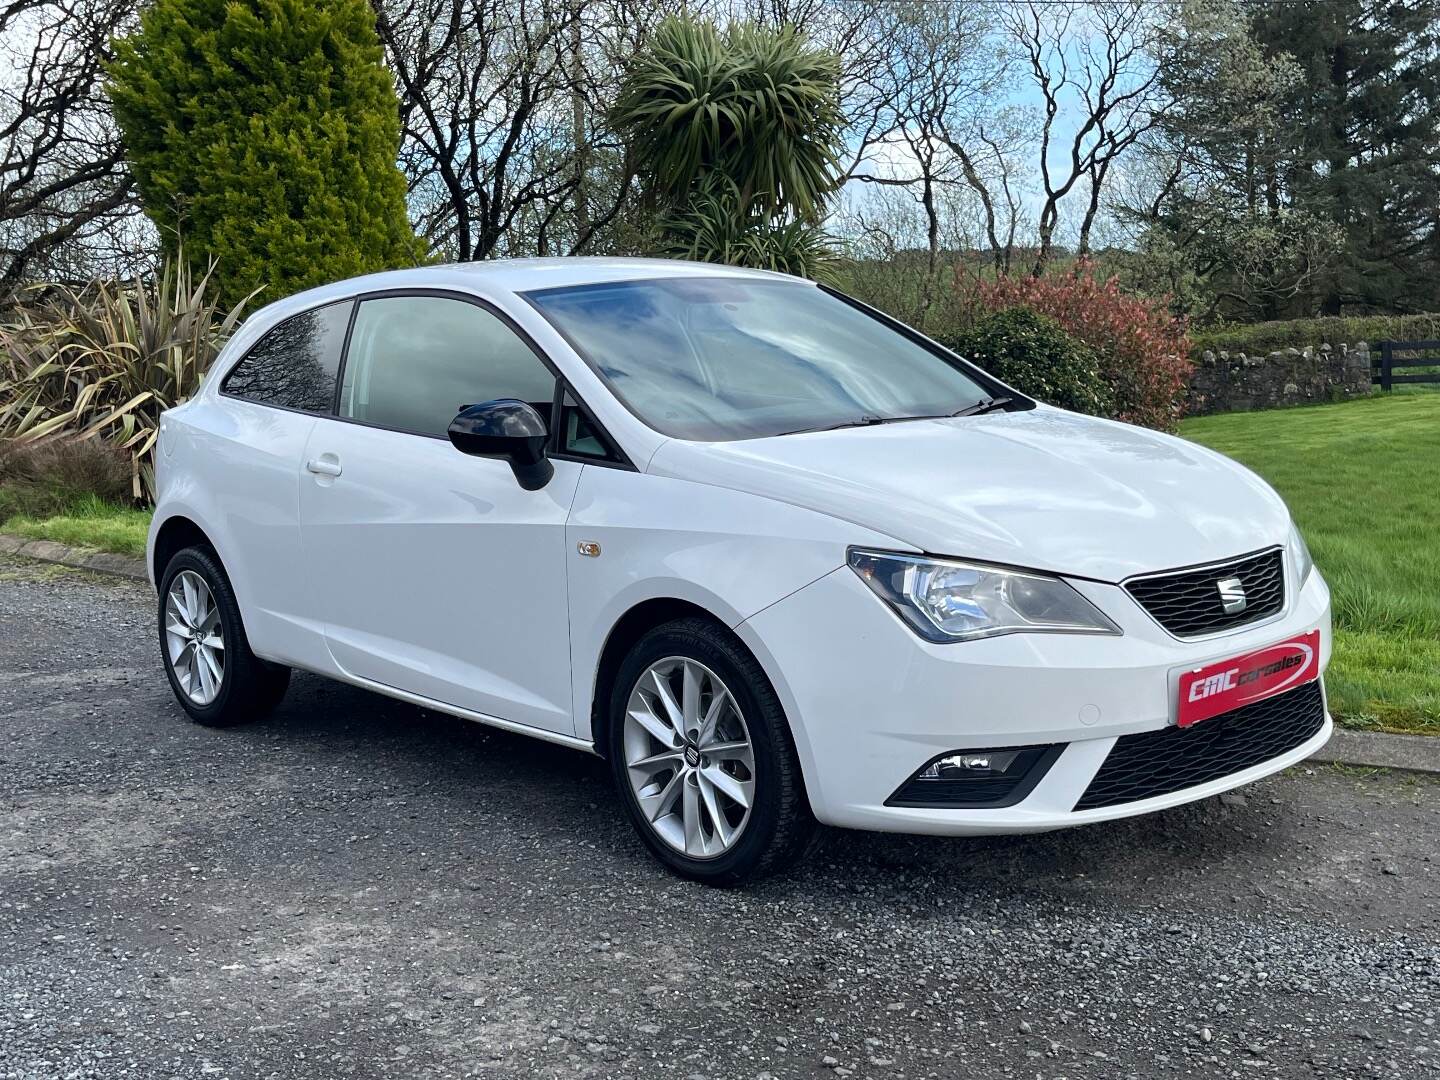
x=616, y=456
x=621, y=459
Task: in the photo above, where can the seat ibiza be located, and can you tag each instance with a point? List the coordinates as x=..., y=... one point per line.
x=777, y=558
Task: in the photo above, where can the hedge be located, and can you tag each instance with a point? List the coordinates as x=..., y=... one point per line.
x=1034, y=354
x=1266, y=337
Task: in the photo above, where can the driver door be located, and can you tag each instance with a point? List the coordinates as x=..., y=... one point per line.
x=435, y=572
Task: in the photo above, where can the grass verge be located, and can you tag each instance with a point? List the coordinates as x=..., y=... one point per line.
x=87, y=522
x=1359, y=478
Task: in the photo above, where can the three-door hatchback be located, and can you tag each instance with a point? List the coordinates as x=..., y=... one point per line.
x=776, y=557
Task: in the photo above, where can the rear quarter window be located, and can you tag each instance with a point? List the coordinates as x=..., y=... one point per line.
x=294, y=366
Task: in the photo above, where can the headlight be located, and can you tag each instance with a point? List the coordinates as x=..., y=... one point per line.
x=949, y=600
x=1301, y=554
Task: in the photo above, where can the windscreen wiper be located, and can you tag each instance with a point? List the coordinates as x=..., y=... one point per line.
x=984, y=405
x=859, y=421
x=988, y=405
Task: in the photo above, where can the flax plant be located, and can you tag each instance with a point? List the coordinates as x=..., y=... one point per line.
x=104, y=361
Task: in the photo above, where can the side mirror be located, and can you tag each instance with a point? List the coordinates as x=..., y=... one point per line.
x=508, y=429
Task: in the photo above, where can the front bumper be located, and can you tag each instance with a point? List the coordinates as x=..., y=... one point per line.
x=870, y=703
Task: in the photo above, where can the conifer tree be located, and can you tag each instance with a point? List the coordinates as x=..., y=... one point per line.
x=1364, y=120
x=263, y=134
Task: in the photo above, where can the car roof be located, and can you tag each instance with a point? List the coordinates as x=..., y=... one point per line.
x=506, y=276
x=523, y=275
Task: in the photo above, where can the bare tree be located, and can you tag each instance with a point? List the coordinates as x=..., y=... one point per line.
x=63, y=182
x=1203, y=202
x=502, y=122
x=1096, y=64
x=936, y=89
x=988, y=156
x=888, y=233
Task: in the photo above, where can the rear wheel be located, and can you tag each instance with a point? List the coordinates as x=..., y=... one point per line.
x=702, y=755
x=215, y=676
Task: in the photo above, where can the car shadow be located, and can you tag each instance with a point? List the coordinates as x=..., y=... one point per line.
x=550, y=787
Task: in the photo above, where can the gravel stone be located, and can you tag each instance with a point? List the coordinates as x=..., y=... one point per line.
x=356, y=888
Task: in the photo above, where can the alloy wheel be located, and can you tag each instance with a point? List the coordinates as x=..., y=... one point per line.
x=194, y=637
x=689, y=757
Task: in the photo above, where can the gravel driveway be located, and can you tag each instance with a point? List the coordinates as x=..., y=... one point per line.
x=358, y=888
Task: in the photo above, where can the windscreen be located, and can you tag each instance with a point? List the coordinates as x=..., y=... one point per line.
x=715, y=359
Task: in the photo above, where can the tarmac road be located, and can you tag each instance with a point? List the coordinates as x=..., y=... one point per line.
x=358, y=888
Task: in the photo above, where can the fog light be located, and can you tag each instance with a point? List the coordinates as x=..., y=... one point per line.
x=977, y=778
x=990, y=762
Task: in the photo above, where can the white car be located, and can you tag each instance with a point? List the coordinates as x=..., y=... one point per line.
x=778, y=558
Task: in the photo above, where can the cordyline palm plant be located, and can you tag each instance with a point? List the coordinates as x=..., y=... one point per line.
x=735, y=133
x=105, y=361
x=709, y=230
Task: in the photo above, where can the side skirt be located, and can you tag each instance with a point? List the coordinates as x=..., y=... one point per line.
x=556, y=737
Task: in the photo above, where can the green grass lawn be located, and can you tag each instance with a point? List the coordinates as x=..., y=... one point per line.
x=87, y=522
x=1363, y=481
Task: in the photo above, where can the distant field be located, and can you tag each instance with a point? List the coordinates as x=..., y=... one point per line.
x=1363, y=481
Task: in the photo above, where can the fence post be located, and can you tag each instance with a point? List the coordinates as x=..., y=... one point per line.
x=1387, y=370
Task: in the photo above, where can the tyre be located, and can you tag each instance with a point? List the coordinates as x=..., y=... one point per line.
x=215, y=676
x=703, y=757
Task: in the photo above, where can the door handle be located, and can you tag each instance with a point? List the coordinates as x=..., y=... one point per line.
x=324, y=465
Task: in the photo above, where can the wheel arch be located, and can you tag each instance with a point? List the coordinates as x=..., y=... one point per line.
x=648, y=614
x=642, y=617
x=176, y=533
x=635, y=623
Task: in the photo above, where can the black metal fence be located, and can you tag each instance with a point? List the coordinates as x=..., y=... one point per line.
x=1410, y=357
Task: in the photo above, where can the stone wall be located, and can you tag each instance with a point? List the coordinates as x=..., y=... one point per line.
x=1235, y=382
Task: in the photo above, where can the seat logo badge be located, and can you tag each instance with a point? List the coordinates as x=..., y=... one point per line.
x=1232, y=595
x=589, y=548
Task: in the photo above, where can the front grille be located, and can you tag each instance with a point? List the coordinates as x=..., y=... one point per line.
x=1187, y=602
x=1173, y=758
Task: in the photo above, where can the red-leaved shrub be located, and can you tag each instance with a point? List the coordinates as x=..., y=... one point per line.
x=1144, y=350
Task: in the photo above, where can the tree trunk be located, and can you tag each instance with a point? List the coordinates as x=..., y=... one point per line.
x=577, y=120
x=972, y=177
x=1091, y=209
x=932, y=218
x=1331, y=301
x=1049, y=218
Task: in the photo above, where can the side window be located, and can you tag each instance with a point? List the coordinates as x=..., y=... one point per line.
x=294, y=365
x=580, y=437
x=415, y=361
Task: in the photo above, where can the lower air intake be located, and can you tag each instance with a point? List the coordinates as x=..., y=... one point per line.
x=1172, y=759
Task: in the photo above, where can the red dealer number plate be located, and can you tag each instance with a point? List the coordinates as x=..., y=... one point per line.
x=1217, y=688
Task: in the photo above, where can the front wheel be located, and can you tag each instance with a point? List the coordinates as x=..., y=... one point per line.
x=702, y=755
x=215, y=676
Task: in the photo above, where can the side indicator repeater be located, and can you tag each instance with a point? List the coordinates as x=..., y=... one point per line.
x=588, y=548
